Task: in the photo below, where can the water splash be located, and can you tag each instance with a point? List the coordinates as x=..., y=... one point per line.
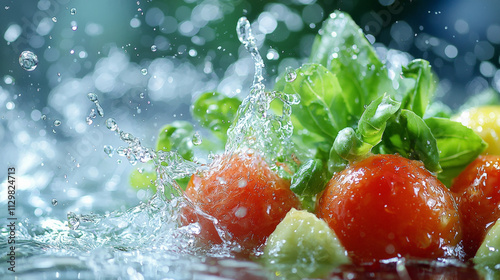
x=246, y=37
x=151, y=231
x=93, y=97
x=257, y=127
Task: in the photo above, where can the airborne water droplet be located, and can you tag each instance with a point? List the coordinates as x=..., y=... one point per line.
x=28, y=60
x=111, y=124
x=92, y=96
x=144, y=71
x=57, y=122
x=153, y=48
x=109, y=150
x=54, y=202
x=291, y=75
x=72, y=11
x=197, y=140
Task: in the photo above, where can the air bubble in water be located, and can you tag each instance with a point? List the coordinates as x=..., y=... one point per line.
x=57, y=122
x=72, y=11
x=43, y=117
x=109, y=150
x=153, y=48
x=74, y=26
x=28, y=60
x=54, y=202
x=54, y=19
x=141, y=95
x=144, y=71
x=197, y=140
x=111, y=124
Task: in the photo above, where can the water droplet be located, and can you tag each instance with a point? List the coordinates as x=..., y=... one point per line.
x=28, y=60
x=57, y=122
x=54, y=19
x=109, y=150
x=241, y=212
x=73, y=221
x=197, y=140
x=72, y=11
x=100, y=111
x=153, y=48
x=141, y=95
x=92, y=96
x=144, y=71
x=54, y=202
x=291, y=75
x=129, y=138
x=43, y=117
x=242, y=183
x=272, y=54
x=111, y=124
x=74, y=26
x=90, y=117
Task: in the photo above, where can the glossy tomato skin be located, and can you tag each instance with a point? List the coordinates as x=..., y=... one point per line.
x=387, y=206
x=478, y=194
x=246, y=197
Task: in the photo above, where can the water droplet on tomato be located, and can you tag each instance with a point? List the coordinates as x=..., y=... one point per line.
x=241, y=212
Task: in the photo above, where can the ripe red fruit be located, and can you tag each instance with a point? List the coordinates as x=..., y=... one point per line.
x=247, y=198
x=388, y=206
x=478, y=194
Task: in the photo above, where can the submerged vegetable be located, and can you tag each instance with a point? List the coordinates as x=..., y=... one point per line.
x=478, y=192
x=387, y=206
x=246, y=197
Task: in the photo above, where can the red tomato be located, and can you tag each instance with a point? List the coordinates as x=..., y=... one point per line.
x=478, y=192
x=388, y=206
x=246, y=197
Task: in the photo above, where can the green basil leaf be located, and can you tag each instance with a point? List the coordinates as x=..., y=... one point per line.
x=351, y=145
x=177, y=136
x=422, y=140
x=417, y=98
x=458, y=146
x=342, y=48
x=408, y=135
x=321, y=109
x=372, y=124
x=310, y=179
x=335, y=162
x=438, y=109
x=215, y=112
